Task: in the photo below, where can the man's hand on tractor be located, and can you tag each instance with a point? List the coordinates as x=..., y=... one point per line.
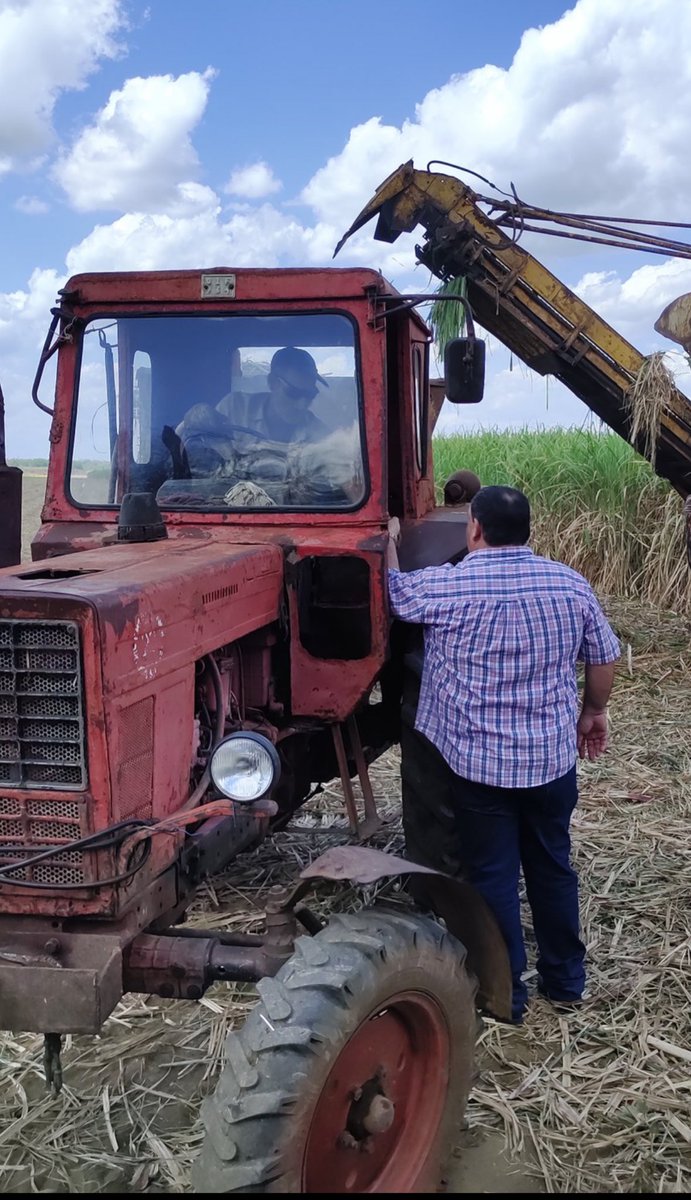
x=394, y=539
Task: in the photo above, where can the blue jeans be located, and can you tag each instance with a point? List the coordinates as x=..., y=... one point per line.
x=499, y=831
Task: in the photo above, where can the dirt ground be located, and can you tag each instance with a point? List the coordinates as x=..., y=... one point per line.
x=481, y=1164
x=597, y=1102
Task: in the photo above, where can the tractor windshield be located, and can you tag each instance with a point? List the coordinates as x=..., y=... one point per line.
x=219, y=413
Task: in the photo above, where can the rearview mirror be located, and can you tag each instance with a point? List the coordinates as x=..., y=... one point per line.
x=464, y=370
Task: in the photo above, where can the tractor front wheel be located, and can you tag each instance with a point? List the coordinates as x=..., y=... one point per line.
x=353, y=1071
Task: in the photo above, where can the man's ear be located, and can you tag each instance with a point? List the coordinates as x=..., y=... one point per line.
x=474, y=531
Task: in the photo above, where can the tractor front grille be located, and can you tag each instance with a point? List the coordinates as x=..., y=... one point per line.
x=28, y=827
x=42, y=735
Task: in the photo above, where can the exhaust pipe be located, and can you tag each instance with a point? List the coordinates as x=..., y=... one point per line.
x=10, y=503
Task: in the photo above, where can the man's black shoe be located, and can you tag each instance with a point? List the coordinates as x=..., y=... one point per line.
x=567, y=1004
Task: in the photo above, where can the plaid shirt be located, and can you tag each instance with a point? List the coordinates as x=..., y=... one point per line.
x=503, y=631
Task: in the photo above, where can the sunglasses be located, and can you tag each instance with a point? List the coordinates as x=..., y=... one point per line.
x=297, y=393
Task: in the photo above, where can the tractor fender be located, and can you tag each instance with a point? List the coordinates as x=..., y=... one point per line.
x=466, y=915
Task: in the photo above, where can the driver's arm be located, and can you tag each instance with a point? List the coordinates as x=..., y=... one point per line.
x=237, y=408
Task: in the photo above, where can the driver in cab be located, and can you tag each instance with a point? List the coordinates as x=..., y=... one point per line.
x=282, y=414
x=269, y=446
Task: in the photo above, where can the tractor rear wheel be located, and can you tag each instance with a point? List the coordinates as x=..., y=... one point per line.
x=353, y=1072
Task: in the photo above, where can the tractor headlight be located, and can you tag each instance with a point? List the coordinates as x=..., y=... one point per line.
x=244, y=766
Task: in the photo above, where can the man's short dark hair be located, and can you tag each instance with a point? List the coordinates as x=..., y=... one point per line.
x=504, y=515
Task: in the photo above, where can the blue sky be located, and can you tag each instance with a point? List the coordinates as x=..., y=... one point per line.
x=293, y=77
x=174, y=134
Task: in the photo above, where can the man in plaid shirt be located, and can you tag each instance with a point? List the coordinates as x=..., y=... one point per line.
x=503, y=631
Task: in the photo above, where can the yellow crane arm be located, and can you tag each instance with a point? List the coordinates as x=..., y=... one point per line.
x=516, y=298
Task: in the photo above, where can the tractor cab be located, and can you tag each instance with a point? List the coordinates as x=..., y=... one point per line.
x=277, y=401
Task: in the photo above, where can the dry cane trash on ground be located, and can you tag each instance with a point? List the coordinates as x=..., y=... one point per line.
x=599, y=1101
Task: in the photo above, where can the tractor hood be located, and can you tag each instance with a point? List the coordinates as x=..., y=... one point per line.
x=152, y=602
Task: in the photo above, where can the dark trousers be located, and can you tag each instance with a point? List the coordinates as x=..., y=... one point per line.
x=500, y=830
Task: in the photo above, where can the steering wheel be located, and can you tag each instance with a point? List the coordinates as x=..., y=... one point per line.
x=178, y=452
x=245, y=429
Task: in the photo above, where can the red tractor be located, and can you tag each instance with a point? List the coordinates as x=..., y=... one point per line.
x=201, y=638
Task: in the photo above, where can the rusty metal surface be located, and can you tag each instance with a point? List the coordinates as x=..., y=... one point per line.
x=59, y=983
x=437, y=396
x=178, y=293
x=382, y=1103
x=370, y=822
x=67, y=977
x=137, y=290
x=143, y=618
x=674, y=321
x=44, y=812
x=209, y=848
x=184, y=963
x=332, y=687
x=70, y=982
x=184, y=968
x=150, y=598
x=360, y=864
x=463, y=910
x=317, y=685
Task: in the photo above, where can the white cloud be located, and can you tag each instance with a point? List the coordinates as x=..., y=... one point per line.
x=137, y=154
x=21, y=307
x=253, y=182
x=633, y=304
x=254, y=237
x=188, y=199
x=31, y=205
x=593, y=113
x=46, y=47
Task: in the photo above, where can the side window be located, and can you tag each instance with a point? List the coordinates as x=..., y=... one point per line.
x=96, y=422
x=420, y=416
x=141, y=407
